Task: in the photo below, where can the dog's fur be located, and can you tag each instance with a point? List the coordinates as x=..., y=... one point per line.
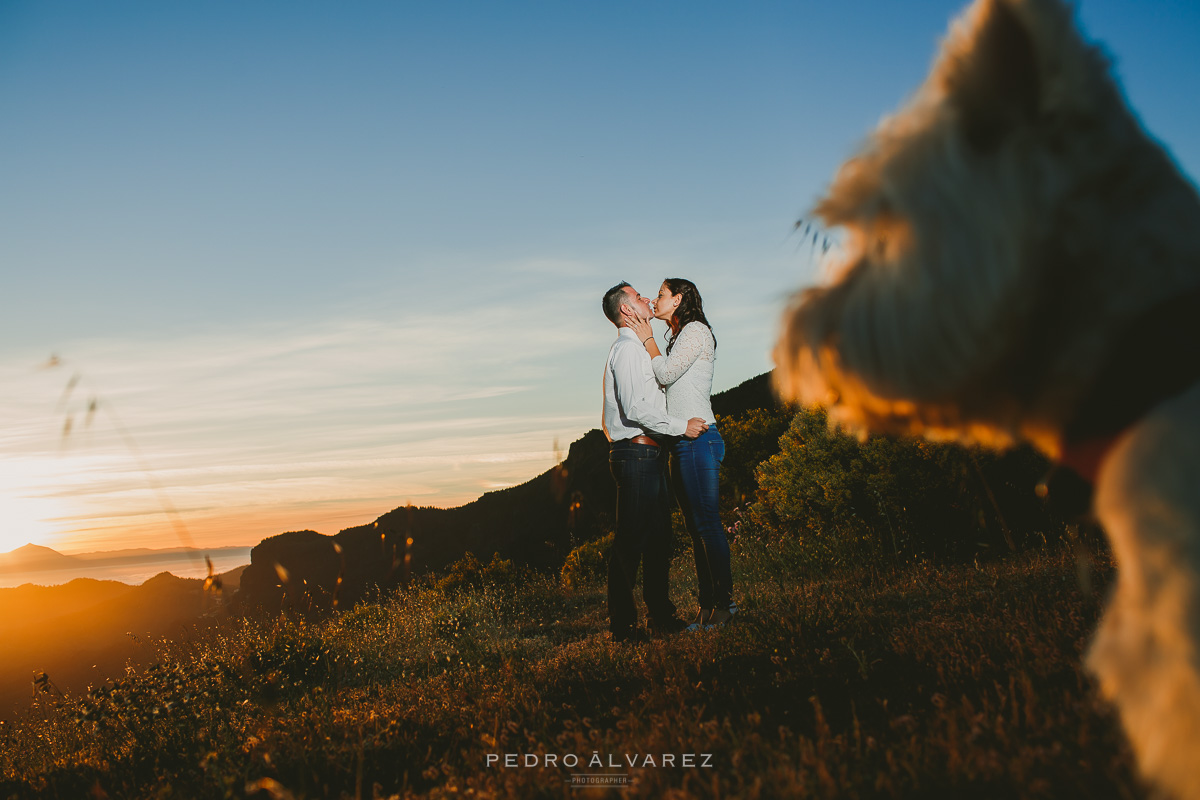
x=1007, y=236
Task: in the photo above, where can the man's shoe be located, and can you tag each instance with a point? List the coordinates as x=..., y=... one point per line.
x=632, y=635
x=667, y=626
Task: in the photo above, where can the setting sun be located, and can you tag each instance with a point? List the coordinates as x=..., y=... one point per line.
x=26, y=520
x=27, y=517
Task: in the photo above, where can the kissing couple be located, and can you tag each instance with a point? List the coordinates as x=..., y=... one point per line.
x=657, y=408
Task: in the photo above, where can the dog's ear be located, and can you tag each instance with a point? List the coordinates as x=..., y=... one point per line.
x=991, y=74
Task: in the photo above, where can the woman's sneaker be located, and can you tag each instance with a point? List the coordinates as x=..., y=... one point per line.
x=722, y=616
x=702, y=616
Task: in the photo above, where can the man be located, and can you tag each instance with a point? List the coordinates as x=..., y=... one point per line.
x=635, y=412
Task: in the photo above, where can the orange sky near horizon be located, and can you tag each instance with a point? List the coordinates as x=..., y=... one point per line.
x=217, y=529
x=320, y=429
x=146, y=522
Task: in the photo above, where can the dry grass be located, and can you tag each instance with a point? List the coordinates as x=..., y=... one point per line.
x=913, y=682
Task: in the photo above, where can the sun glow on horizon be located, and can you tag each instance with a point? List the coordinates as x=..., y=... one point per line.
x=28, y=513
x=28, y=520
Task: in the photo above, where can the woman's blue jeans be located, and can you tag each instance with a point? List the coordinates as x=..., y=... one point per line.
x=695, y=475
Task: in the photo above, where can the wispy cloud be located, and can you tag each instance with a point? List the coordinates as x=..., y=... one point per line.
x=246, y=424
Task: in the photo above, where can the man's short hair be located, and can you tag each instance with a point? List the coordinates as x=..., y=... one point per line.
x=614, y=298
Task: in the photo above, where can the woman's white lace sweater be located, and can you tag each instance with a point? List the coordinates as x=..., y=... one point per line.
x=688, y=372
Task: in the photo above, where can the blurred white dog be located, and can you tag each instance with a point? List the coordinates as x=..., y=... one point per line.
x=1022, y=261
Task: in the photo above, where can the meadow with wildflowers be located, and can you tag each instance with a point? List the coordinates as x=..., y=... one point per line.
x=906, y=681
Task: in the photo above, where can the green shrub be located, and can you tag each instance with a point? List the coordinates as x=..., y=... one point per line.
x=469, y=571
x=289, y=657
x=895, y=497
x=750, y=439
x=587, y=564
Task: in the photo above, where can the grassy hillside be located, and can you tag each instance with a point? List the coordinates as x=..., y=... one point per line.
x=911, y=681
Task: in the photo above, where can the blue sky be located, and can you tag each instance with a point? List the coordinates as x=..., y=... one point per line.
x=321, y=260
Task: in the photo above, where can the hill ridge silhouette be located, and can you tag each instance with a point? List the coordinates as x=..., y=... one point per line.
x=535, y=523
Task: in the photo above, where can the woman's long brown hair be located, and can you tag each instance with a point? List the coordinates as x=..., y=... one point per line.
x=691, y=308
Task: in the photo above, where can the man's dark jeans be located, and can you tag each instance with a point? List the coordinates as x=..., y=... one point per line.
x=643, y=534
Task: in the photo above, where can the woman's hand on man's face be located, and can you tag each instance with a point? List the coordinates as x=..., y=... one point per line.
x=639, y=326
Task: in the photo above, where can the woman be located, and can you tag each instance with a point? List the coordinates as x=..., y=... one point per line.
x=686, y=370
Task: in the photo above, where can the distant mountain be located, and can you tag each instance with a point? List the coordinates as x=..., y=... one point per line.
x=536, y=523
x=35, y=558
x=36, y=565
x=135, y=552
x=146, y=554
